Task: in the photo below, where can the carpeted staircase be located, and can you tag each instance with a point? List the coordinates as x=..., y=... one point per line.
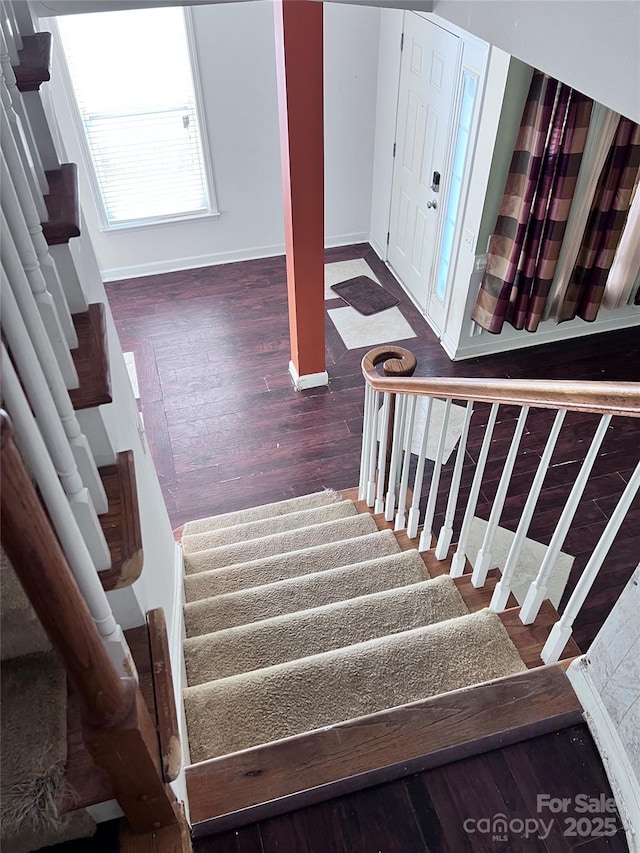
x=36, y=801
x=302, y=614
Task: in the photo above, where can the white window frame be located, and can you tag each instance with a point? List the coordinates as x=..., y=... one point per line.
x=105, y=227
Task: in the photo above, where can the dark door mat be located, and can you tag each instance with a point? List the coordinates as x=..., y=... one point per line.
x=363, y=294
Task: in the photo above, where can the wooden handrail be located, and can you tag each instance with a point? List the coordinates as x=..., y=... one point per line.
x=43, y=571
x=607, y=398
x=118, y=730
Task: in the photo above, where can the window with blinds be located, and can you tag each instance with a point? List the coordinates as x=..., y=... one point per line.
x=131, y=73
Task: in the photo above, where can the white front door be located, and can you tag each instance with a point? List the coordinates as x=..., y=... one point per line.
x=425, y=107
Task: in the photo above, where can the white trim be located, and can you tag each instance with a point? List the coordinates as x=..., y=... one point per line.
x=176, y=642
x=214, y=259
x=378, y=249
x=622, y=778
x=307, y=380
x=489, y=344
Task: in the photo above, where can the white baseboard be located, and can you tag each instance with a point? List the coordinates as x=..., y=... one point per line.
x=381, y=251
x=622, y=778
x=307, y=380
x=487, y=344
x=217, y=258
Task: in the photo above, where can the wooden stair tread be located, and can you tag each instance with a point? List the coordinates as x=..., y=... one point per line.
x=63, y=205
x=121, y=523
x=89, y=781
x=91, y=359
x=35, y=62
x=529, y=639
x=278, y=777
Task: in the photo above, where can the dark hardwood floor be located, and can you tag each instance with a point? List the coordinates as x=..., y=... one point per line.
x=454, y=809
x=227, y=431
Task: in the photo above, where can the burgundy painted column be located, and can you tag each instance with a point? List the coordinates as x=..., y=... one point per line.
x=299, y=58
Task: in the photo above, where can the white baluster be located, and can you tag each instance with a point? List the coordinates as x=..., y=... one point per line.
x=10, y=40
x=406, y=465
x=25, y=124
x=425, y=538
x=458, y=562
x=30, y=213
x=562, y=630
x=414, y=509
x=373, y=451
x=368, y=434
x=483, y=559
x=382, y=453
x=51, y=426
x=396, y=455
x=34, y=451
x=20, y=136
x=503, y=588
x=537, y=592
x=44, y=300
x=18, y=292
x=23, y=17
x=446, y=531
x=9, y=17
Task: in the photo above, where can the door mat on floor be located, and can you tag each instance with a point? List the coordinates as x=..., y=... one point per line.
x=363, y=294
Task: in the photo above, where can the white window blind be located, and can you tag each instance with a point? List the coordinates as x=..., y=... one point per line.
x=132, y=78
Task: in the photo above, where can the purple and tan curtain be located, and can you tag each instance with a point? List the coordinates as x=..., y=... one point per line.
x=525, y=246
x=606, y=223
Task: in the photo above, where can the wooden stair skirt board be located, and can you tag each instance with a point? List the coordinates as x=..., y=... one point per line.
x=63, y=205
x=91, y=359
x=278, y=777
x=90, y=782
x=35, y=62
x=121, y=523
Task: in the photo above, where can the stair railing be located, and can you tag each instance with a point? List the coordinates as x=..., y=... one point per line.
x=118, y=730
x=29, y=211
x=608, y=399
x=18, y=106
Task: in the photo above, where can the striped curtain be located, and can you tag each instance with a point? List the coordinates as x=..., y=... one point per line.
x=525, y=246
x=605, y=225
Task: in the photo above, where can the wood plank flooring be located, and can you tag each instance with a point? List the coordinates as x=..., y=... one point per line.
x=227, y=431
x=441, y=810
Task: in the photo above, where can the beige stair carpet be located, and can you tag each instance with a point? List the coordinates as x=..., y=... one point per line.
x=20, y=631
x=34, y=792
x=268, y=704
x=280, y=543
x=230, y=519
x=301, y=593
x=291, y=564
x=267, y=527
x=320, y=629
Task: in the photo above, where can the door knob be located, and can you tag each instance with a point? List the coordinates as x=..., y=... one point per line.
x=432, y=204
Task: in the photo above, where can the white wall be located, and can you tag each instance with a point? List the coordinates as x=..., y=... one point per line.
x=235, y=47
x=592, y=46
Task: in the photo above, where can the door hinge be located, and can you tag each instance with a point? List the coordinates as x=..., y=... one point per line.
x=402, y=41
x=388, y=237
x=394, y=149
